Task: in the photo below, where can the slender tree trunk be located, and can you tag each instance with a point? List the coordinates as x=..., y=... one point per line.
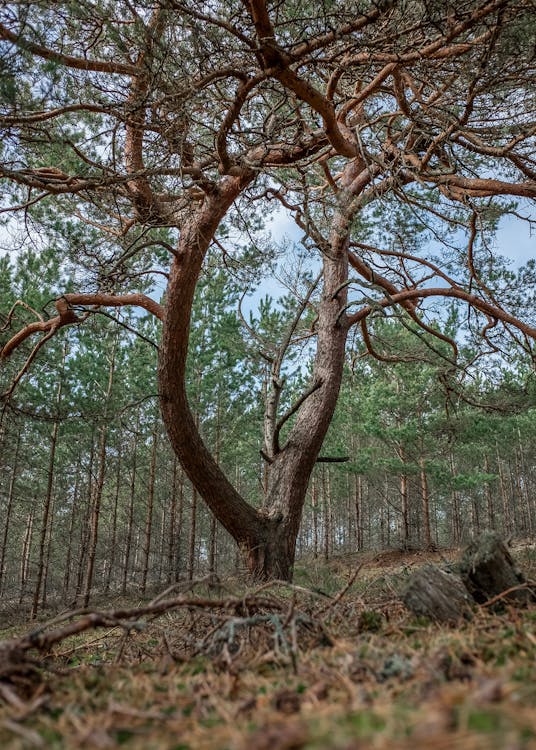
x=113, y=540
x=325, y=516
x=96, y=500
x=162, y=545
x=48, y=554
x=425, y=506
x=314, y=503
x=358, y=504
x=489, y=499
x=475, y=516
x=149, y=516
x=84, y=527
x=191, y=540
x=94, y=516
x=404, y=508
x=48, y=501
x=72, y=518
x=180, y=517
x=8, y=512
x=212, y=545
x=25, y=554
x=172, y=525
x=130, y=518
x=456, y=517
x=348, y=521
x=522, y=485
x=507, y=526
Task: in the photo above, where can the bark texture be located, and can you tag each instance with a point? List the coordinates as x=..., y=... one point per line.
x=488, y=569
x=486, y=572
x=434, y=593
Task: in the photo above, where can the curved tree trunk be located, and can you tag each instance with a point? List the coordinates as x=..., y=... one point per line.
x=266, y=536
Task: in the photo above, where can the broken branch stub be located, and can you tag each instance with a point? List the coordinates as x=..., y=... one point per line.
x=434, y=593
x=487, y=569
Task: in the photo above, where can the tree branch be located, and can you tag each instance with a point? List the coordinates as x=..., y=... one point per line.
x=454, y=292
x=67, y=316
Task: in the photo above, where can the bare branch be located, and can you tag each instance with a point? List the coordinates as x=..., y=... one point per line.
x=454, y=292
x=67, y=316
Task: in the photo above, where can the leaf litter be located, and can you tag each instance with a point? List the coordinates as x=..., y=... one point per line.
x=280, y=667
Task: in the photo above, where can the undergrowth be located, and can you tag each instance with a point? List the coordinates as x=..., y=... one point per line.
x=352, y=672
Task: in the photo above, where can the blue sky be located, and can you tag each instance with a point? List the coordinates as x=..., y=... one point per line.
x=514, y=240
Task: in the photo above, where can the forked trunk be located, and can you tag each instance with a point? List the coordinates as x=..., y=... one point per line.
x=267, y=537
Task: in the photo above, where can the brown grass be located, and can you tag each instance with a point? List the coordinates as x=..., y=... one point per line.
x=386, y=681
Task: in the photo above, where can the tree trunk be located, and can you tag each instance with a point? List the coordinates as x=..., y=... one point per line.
x=96, y=500
x=489, y=499
x=325, y=516
x=113, y=540
x=8, y=512
x=191, y=539
x=507, y=526
x=314, y=504
x=180, y=516
x=48, y=553
x=74, y=508
x=212, y=546
x=456, y=516
x=149, y=516
x=404, y=521
x=25, y=554
x=171, y=547
x=130, y=518
x=84, y=526
x=358, y=513
x=48, y=502
x=268, y=537
x=425, y=506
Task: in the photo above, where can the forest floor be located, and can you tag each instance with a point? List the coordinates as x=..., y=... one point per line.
x=337, y=666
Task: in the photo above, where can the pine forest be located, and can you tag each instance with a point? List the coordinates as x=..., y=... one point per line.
x=267, y=374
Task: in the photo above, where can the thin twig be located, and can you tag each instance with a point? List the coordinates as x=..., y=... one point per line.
x=341, y=593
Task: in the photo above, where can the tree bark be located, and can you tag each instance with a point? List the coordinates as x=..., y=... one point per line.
x=48, y=501
x=268, y=537
x=149, y=516
x=171, y=542
x=192, y=536
x=113, y=540
x=96, y=499
x=8, y=512
x=130, y=519
x=314, y=504
x=434, y=593
x=25, y=554
x=425, y=505
x=72, y=517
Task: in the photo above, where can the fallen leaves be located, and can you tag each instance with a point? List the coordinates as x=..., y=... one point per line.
x=401, y=683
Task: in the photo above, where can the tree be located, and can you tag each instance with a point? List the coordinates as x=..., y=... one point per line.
x=136, y=136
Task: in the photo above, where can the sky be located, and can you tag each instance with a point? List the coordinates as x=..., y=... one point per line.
x=515, y=240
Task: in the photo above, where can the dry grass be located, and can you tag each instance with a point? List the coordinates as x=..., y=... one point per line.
x=386, y=681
